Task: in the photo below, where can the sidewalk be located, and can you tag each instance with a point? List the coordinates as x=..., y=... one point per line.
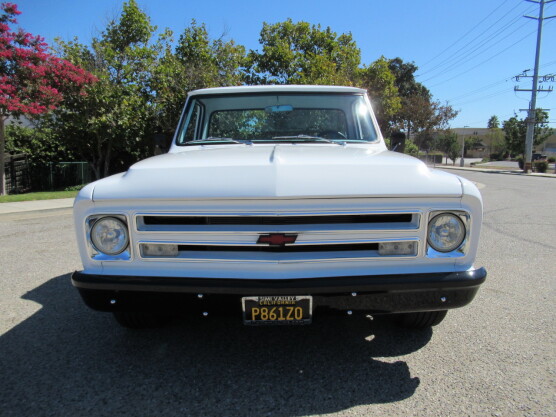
x=496, y=171
x=35, y=205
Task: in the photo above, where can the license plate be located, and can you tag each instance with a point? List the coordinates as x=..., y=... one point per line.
x=286, y=309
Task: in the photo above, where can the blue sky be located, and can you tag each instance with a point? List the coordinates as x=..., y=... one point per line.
x=467, y=50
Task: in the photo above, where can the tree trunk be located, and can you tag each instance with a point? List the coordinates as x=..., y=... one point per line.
x=2, y=156
x=107, y=158
x=96, y=169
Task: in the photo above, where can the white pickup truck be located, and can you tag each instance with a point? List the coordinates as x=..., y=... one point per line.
x=273, y=203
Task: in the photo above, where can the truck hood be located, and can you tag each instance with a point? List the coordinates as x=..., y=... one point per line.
x=278, y=171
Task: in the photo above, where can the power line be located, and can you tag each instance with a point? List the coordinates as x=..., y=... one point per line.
x=455, y=55
x=491, y=95
x=489, y=86
x=466, y=33
x=478, y=90
x=456, y=62
x=485, y=61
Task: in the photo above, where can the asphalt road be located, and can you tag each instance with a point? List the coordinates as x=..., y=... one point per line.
x=496, y=357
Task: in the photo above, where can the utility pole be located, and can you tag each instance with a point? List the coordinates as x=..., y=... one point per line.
x=531, y=117
x=462, y=159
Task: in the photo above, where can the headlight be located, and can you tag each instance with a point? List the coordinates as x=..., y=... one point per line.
x=446, y=232
x=109, y=235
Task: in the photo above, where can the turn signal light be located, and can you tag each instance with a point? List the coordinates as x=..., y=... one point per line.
x=154, y=250
x=397, y=248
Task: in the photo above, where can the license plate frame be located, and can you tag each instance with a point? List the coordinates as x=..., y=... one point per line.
x=277, y=310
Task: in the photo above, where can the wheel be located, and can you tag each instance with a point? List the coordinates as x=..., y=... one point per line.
x=139, y=320
x=421, y=320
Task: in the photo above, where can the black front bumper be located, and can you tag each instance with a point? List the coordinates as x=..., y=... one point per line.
x=370, y=293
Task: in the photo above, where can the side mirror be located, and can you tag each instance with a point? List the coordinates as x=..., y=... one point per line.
x=397, y=142
x=161, y=143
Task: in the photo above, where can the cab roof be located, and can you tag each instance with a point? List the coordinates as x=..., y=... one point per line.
x=278, y=89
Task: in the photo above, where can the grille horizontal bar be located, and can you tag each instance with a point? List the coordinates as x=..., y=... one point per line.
x=281, y=249
x=277, y=220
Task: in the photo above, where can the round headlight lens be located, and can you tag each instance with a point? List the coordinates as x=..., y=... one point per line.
x=446, y=232
x=109, y=235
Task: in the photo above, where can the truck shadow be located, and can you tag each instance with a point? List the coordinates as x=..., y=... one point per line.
x=69, y=360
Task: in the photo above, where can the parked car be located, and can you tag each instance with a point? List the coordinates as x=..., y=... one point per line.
x=273, y=203
x=538, y=157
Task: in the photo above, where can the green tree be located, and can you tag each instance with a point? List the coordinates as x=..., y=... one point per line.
x=418, y=114
x=404, y=72
x=40, y=144
x=112, y=126
x=380, y=82
x=493, y=122
x=515, y=131
x=447, y=142
x=411, y=148
x=472, y=142
x=301, y=53
x=495, y=137
x=197, y=62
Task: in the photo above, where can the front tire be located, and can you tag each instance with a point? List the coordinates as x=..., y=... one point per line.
x=139, y=320
x=421, y=320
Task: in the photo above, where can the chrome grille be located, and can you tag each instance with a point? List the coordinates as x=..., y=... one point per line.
x=230, y=236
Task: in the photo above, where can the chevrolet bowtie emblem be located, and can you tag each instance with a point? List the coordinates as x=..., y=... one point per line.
x=276, y=239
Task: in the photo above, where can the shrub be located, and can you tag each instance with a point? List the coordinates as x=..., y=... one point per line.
x=541, y=166
x=75, y=187
x=551, y=159
x=411, y=148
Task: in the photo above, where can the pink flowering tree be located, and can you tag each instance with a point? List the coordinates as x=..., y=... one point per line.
x=32, y=81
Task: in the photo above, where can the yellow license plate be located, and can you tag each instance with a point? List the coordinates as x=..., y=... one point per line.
x=281, y=309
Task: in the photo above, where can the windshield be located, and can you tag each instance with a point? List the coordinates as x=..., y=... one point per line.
x=253, y=118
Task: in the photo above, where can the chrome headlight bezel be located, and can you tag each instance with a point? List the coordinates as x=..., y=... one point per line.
x=460, y=246
x=96, y=251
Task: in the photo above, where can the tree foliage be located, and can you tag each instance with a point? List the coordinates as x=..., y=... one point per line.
x=380, y=82
x=493, y=122
x=404, y=73
x=495, y=138
x=197, y=62
x=515, y=131
x=301, y=53
x=448, y=144
x=116, y=119
x=143, y=77
x=418, y=114
x=32, y=81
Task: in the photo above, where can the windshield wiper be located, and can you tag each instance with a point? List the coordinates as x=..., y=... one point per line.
x=214, y=139
x=306, y=138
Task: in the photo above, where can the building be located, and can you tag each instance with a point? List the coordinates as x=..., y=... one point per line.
x=491, y=141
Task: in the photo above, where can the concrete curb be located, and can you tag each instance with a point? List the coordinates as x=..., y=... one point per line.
x=496, y=171
x=35, y=205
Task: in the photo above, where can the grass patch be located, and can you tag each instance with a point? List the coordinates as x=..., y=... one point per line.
x=45, y=195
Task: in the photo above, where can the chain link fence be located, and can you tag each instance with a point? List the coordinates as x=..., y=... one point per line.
x=22, y=177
